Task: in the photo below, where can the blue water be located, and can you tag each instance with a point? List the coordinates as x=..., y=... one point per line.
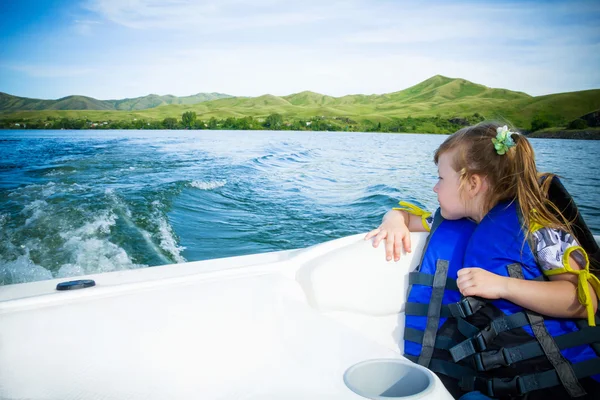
x=81, y=202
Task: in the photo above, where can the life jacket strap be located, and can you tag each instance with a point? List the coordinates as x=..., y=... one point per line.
x=523, y=384
x=466, y=307
x=506, y=387
x=433, y=313
x=419, y=278
x=486, y=336
x=422, y=309
x=441, y=342
x=506, y=356
x=548, y=344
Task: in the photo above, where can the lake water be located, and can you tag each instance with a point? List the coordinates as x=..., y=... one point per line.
x=82, y=202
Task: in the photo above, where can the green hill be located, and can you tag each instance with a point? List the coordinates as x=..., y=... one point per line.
x=9, y=103
x=436, y=97
x=154, y=100
x=14, y=103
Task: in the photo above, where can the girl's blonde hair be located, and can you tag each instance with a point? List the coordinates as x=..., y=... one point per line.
x=511, y=176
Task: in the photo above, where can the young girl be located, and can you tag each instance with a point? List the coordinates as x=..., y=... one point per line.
x=503, y=292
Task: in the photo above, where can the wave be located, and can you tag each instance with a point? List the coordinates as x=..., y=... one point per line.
x=61, y=230
x=208, y=185
x=168, y=241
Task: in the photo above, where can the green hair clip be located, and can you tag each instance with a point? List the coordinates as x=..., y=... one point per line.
x=503, y=140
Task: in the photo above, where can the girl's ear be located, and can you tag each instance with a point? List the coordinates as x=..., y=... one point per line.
x=476, y=184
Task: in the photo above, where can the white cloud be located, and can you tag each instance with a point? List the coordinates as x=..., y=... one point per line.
x=205, y=16
x=52, y=70
x=134, y=47
x=84, y=27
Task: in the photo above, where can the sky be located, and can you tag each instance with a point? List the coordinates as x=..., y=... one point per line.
x=114, y=49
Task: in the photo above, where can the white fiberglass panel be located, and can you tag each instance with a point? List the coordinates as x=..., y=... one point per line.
x=250, y=337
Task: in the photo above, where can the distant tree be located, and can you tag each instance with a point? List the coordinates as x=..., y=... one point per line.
x=140, y=124
x=188, y=119
x=170, y=123
x=212, y=123
x=577, y=124
x=246, y=123
x=274, y=121
x=539, y=123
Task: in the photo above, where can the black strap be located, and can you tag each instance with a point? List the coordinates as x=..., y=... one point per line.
x=522, y=384
x=582, y=324
x=551, y=378
x=506, y=356
x=466, y=329
x=551, y=350
x=433, y=313
x=441, y=342
x=467, y=306
x=419, y=278
x=422, y=309
x=515, y=386
x=484, y=337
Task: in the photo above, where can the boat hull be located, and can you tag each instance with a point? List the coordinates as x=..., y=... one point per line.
x=278, y=325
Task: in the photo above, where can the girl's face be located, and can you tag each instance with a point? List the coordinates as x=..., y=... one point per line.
x=447, y=188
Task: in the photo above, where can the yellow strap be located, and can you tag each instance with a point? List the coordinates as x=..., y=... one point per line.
x=584, y=277
x=534, y=226
x=414, y=210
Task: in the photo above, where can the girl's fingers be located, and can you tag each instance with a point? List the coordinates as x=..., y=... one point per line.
x=397, y=250
x=379, y=237
x=464, y=281
x=406, y=242
x=389, y=246
x=469, y=291
x=372, y=233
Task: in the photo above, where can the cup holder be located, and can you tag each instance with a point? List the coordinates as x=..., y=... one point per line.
x=382, y=379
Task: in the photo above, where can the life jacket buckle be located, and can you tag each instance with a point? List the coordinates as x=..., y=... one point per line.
x=466, y=307
x=478, y=343
x=484, y=337
x=491, y=360
x=503, y=387
x=461, y=309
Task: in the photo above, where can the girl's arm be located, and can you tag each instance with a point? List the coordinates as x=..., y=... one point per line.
x=555, y=298
x=395, y=229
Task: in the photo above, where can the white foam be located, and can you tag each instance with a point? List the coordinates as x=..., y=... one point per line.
x=36, y=208
x=101, y=224
x=165, y=234
x=92, y=255
x=208, y=185
x=22, y=270
x=49, y=189
x=168, y=242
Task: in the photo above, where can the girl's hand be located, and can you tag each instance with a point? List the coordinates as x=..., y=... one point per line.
x=482, y=283
x=396, y=234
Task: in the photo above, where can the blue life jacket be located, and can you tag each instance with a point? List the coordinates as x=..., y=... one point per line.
x=486, y=345
x=446, y=243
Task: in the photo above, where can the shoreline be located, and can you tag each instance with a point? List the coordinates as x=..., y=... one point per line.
x=583, y=134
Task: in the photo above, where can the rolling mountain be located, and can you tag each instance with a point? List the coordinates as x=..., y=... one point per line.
x=436, y=96
x=10, y=103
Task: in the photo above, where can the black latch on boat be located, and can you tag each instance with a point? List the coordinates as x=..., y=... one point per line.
x=74, y=285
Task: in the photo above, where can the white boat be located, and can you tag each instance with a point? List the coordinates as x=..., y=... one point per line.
x=281, y=325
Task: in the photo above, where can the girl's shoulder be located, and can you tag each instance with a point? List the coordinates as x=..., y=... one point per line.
x=550, y=246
